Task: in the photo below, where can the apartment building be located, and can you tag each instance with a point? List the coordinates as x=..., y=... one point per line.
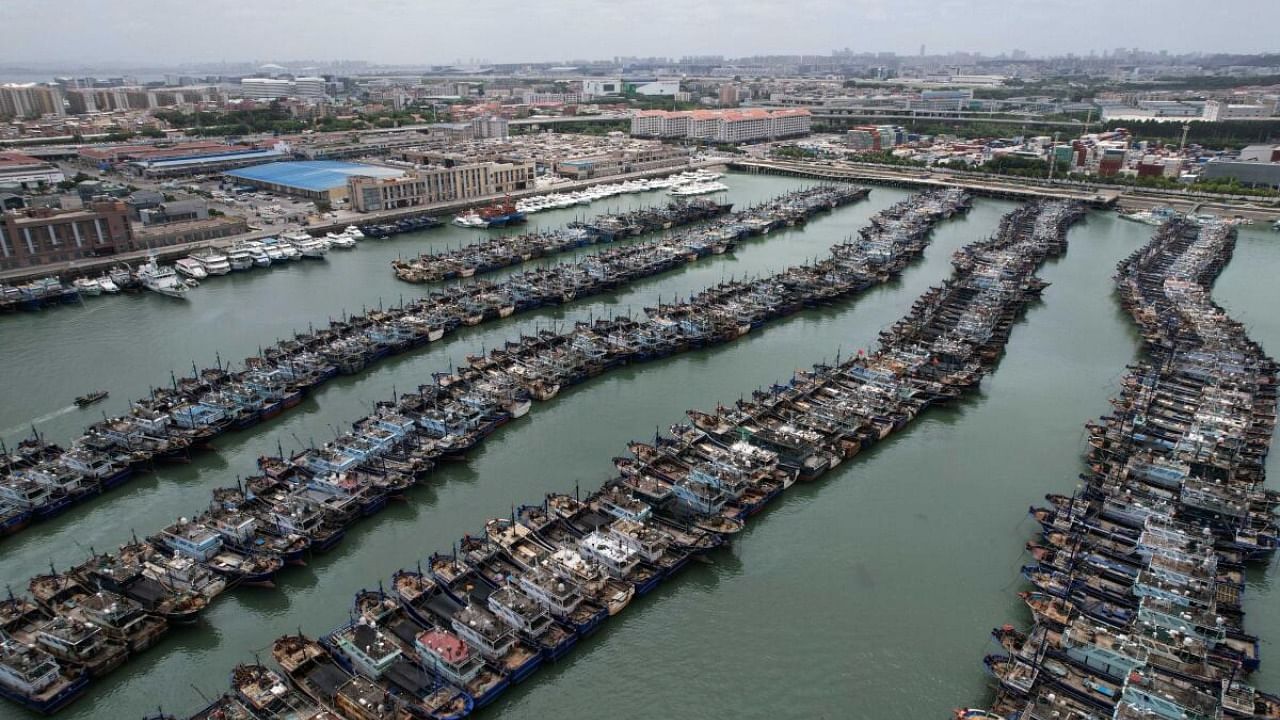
x=723, y=126
x=436, y=184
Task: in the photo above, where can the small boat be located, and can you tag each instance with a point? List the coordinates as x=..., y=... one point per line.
x=191, y=268
x=91, y=398
x=108, y=285
x=340, y=241
x=87, y=286
x=353, y=232
x=1154, y=216
x=470, y=220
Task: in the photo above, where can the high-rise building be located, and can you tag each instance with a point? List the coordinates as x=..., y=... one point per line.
x=728, y=95
x=311, y=88
x=490, y=126
x=30, y=100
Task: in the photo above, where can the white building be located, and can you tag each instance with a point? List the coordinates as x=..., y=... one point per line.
x=595, y=87
x=722, y=126
x=311, y=88
x=1215, y=110
x=266, y=88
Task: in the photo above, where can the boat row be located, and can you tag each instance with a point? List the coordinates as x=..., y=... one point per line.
x=495, y=252
x=184, y=274
x=1162, y=214
x=452, y=633
x=559, y=201
x=1138, y=578
x=305, y=503
x=415, y=223
x=40, y=480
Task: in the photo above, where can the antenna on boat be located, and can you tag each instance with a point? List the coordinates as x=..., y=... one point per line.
x=203, y=697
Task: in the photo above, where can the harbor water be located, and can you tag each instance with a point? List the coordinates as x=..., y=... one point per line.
x=868, y=594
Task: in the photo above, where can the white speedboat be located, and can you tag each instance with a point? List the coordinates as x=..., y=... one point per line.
x=87, y=286
x=470, y=220
x=161, y=279
x=108, y=285
x=353, y=232
x=191, y=267
x=340, y=241
x=214, y=261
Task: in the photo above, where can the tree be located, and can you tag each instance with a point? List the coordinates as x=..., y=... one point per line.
x=151, y=132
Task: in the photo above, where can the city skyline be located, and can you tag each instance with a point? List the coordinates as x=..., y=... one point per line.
x=397, y=32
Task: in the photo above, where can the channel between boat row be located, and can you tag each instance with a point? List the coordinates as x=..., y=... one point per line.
x=42, y=480
x=1139, y=577
x=680, y=496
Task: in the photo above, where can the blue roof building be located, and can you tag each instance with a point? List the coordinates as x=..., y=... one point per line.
x=312, y=179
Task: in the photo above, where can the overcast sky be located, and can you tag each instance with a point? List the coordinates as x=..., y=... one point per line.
x=170, y=32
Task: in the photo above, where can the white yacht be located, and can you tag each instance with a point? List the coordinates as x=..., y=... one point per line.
x=308, y=246
x=341, y=241
x=214, y=261
x=239, y=258
x=353, y=232
x=275, y=250
x=161, y=279
x=191, y=268
x=257, y=252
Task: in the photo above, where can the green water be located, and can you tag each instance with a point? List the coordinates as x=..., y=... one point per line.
x=867, y=595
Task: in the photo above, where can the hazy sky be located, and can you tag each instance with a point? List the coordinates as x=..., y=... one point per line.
x=169, y=32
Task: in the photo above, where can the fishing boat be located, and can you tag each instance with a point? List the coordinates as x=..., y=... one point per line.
x=161, y=279
x=313, y=671
x=91, y=398
x=266, y=696
x=34, y=679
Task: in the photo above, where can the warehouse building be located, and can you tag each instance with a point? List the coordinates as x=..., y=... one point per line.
x=321, y=180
